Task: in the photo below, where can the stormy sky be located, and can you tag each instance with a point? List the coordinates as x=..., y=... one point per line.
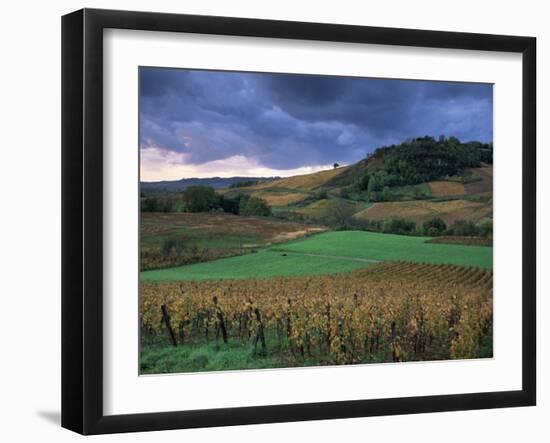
x=197, y=123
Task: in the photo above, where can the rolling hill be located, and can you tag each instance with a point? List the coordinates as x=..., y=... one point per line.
x=297, y=189
x=464, y=195
x=307, y=182
x=418, y=179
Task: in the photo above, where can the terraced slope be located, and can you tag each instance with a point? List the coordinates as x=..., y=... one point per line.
x=446, y=188
x=481, y=182
x=485, y=185
x=420, y=211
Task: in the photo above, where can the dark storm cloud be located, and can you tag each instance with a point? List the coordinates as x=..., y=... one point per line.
x=288, y=121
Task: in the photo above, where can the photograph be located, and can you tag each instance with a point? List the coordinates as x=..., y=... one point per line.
x=292, y=220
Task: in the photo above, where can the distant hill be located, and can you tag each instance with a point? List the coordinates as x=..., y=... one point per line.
x=418, y=179
x=415, y=161
x=181, y=185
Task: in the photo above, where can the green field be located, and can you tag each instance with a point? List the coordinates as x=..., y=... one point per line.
x=267, y=263
x=158, y=357
x=383, y=247
x=328, y=253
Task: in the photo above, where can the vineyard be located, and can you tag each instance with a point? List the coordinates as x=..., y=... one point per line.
x=420, y=211
x=392, y=311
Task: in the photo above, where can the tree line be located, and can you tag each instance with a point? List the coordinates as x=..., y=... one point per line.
x=201, y=198
x=433, y=227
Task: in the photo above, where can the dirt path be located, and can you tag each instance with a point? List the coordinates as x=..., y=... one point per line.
x=364, y=211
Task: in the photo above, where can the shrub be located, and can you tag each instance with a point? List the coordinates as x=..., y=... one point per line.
x=386, y=194
x=321, y=195
x=432, y=232
x=434, y=227
x=199, y=198
x=173, y=247
x=229, y=205
x=463, y=228
x=161, y=203
x=254, y=206
x=363, y=183
x=376, y=225
x=359, y=223
x=486, y=229
x=398, y=226
x=167, y=247
x=340, y=214
x=344, y=193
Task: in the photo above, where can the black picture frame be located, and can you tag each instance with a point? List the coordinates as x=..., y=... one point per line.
x=82, y=218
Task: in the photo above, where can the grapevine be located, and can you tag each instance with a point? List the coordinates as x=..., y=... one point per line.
x=394, y=311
